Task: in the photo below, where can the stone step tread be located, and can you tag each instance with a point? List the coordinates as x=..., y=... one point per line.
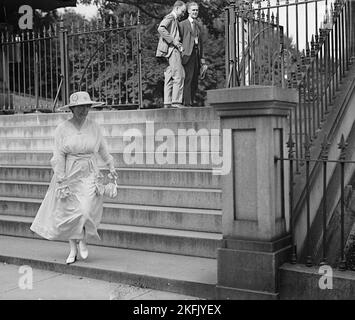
x=130, y=206
x=198, y=114
x=212, y=121
x=123, y=186
x=134, y=229
x=191, y=170
x=106, y=136
x=156, y=270
x=50, y=152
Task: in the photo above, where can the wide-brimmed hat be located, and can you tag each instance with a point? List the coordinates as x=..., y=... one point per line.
x=78, y=99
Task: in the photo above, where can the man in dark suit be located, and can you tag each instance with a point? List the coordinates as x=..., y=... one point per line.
x=192, y=56
x=169, y=46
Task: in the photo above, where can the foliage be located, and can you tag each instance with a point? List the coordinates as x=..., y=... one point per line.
x=211, y=18
x=107, y=75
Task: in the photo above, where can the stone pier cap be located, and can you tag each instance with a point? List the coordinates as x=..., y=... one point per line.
x=253, y=98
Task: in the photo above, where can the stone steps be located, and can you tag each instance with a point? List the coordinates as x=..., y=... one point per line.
x=108, y=129
x=147, y=195
x=172, y=208
x=188, y=275
x=191, y=243
x=42, y=158
x=194, y=178
x=114, y=117
x=120, y=143
x=205, y=220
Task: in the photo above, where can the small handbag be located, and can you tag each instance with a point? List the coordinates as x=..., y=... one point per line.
x=108, y=189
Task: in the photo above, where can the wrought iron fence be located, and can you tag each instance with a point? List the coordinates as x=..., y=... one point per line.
x=39, y=69
x=313, y=62
x=255, y=41
x=105, y=60
x=319, y=252
x=30, y=68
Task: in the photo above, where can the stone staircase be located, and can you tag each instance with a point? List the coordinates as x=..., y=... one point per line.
x=160, y=208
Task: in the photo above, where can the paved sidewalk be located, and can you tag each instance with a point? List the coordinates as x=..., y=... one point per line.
x=49, y=285
x=186, y=275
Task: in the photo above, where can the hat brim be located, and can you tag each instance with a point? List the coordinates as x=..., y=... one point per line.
x=91, y=103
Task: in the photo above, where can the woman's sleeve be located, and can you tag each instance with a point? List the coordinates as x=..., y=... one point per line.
x=103, y=150
x=58, y=159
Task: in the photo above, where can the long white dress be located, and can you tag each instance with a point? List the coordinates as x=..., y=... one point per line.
x=72, y=209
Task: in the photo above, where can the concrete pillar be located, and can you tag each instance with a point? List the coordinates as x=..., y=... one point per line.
x=255, y=192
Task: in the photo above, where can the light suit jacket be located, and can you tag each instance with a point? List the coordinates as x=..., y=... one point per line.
x=169, y=31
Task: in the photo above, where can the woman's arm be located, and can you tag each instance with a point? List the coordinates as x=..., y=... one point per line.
x=103, y=151
x=58, y=159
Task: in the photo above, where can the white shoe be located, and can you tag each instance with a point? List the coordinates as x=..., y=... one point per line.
x=83, y=250
x=71, y=258
x=73, y=252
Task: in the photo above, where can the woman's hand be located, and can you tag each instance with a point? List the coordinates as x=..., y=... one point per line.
x=60, y=180
x=113, y=173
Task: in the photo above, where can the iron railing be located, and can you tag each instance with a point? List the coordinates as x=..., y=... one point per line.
x=40, y=68
x=105, y=60
x=30, y=68
x=319, y=252
x=307, y=45
x=312, y=54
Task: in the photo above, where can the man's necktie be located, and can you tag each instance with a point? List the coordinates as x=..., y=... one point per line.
x=194, y=32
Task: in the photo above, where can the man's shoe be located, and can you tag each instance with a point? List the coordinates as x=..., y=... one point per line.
x=178, y=105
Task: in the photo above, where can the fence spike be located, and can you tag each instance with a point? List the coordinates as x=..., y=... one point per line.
x=313, y=47
x=325, y=148
x=307, y=49
x=317, y=39
x=307, y=147
x=342, y=145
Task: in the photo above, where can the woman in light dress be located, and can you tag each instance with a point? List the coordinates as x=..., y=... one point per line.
x=72, y=208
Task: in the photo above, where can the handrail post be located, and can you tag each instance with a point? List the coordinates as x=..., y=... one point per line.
x=64, y=67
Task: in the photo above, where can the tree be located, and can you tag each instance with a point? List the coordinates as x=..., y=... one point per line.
x=152, y=11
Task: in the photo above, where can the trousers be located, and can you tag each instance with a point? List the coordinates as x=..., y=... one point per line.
x=174, y=77
x=191, y=78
